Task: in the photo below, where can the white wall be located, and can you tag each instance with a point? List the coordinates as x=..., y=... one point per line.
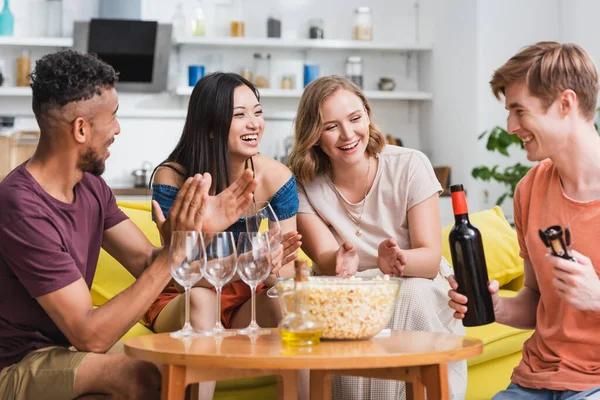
x=465, y=57
x=504, y=28
x=152, y=139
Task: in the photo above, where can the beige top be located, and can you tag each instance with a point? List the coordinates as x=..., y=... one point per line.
x=404, y=179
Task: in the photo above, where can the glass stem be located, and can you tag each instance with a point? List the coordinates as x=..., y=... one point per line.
x=218, y=325
x=187, y=325
x=253, y=323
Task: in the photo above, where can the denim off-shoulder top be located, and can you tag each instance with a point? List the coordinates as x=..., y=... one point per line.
x=284, y=203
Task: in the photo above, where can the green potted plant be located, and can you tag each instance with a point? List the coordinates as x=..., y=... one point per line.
x=498, y=139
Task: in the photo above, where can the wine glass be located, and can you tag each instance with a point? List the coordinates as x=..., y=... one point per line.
x=260, y=217
x=254, y=266
x=219, y=269
x=187, y=259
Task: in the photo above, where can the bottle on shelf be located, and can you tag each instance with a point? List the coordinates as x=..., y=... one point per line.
x=274, y=26
x=468, y=261
x=7, y=21
x=199, y=22
x=23, y=69
x=298, y=327
x=179, y=21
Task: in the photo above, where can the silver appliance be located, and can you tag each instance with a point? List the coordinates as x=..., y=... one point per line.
x=138, y=50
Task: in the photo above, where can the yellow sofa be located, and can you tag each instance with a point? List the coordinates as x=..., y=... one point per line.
x=488, y=373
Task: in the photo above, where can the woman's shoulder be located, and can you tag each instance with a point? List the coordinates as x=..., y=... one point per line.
x=395, y=157
x=169, y=174
x=319, y=187
x=274, y=175
x=391, y=152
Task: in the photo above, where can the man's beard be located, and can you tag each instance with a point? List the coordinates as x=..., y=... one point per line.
x=91, y=162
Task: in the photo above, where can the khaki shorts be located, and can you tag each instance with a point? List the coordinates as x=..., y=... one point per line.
x=48, y=374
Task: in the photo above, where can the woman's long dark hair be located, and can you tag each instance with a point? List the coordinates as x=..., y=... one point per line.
x=203, y=143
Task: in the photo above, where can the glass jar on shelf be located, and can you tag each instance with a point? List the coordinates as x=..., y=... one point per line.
x=23, y=69
x=2, y=73
x=363, y=24
x=54, y=9
x=354, y=70
x=287, y=82
x=246, y=73
x=236, y=26
x=262, y=70
x=316, y=28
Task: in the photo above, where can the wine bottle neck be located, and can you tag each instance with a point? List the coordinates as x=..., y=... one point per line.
x=461, y=219
x=459, y=203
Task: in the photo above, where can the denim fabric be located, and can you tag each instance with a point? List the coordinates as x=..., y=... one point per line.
x=284, y=203
x=165, y=197
x=514, y=392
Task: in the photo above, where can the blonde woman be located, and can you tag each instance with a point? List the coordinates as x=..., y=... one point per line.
x=366, y=209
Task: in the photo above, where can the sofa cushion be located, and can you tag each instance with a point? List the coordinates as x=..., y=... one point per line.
x=111, y=278
x=499, y=242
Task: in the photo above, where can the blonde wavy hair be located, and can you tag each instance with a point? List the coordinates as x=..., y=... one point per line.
x=306, y=159
x=548, y=69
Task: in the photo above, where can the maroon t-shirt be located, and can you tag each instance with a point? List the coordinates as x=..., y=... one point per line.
x=45, y=245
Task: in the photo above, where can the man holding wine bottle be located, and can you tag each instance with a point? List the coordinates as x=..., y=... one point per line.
x=550, y=91
x=55, y=214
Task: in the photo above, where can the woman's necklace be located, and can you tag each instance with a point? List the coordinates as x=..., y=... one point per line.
x=362, y=208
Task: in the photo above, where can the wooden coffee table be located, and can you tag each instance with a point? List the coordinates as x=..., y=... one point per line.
x=418, y=358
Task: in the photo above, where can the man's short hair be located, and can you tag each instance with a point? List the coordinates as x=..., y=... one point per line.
x=68, y=76
x=549, y=68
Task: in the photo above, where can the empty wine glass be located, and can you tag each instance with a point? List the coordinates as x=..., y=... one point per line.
x=219, y=269
x=187, y=259
x=260, y=217
x=254, y=266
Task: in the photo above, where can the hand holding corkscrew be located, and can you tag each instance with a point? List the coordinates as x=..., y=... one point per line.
x=555, y=243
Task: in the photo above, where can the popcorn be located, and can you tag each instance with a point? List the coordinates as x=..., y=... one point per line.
x=350, y=308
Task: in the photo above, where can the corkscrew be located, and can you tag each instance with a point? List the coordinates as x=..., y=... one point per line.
x=555, y=242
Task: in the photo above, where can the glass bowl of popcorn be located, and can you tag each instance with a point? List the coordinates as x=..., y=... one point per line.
x=348, y=308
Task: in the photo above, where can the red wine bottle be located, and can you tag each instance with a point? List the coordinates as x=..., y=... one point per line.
x=469, y=265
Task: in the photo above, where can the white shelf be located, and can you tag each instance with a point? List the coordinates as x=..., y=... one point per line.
x=299, y=44
x=36, y=41
x=15, y=91
x=371, y=94
x=153, y=113
x=398, y=95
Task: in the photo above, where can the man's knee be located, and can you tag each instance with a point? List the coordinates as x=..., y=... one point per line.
x=145, y=380
x=119, y=376
x=139, y=379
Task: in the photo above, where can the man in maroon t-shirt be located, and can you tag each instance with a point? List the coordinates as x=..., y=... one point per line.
x=55, y=214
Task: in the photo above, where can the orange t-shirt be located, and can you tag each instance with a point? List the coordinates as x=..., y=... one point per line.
x=564, y=351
